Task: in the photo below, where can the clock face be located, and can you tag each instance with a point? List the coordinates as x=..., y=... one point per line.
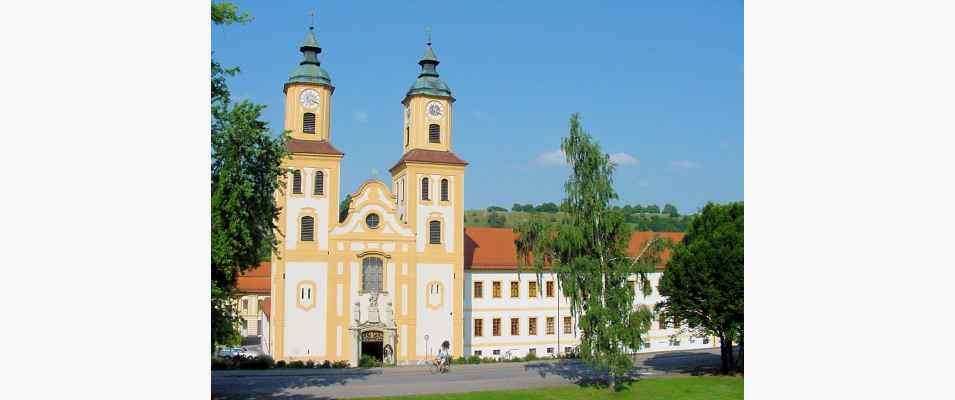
x=435, y=110
x=309, y=98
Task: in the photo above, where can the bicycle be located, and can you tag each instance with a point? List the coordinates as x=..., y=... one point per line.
x=436, y=368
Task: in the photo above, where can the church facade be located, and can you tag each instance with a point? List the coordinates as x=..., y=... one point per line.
x=399, y=274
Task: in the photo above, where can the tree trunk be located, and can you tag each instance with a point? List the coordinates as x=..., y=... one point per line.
x=724, y=359
x=611, y=381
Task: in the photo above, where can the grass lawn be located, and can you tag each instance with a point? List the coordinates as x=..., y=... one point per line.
x=684, y=388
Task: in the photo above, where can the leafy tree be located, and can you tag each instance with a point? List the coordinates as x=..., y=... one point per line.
x=496, y=220
x=547, y=207
x=671, y=210
x=343, y=208
x=517, y=207
x=496, y=208
x=588, y=252
x=652, y=208
x=703, y=283
x=246, y=172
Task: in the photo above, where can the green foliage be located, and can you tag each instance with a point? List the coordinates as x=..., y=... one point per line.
x=225, y=13
x=530, y=357
x=343, y=208
x=496, y=208
x=296, y=364
x=246, y=172
x=280, y=364
x=703, y=282
x=547, y=208
x=496, y=220
x=670, y=209
x=367, y=361
x=240, y=362
x=588, y=252
x=340, y=364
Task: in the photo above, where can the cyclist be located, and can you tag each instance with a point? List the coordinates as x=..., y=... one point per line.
x=444, y=355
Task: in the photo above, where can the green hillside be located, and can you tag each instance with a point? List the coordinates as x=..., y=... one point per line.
x=637, y=216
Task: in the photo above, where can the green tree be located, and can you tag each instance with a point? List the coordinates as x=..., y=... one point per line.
x=588, y=252
x=496, y=220
x=703, y=282
x=671, y=210
x=652, y=208
x=343, y=208
x=547, y=208
x=517, y=207
x=246, y=172
x=496, y=208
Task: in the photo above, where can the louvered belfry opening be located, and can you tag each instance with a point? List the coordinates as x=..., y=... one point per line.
x=319, y=183
x=434, y=232
x=308, y=229
x=297, y=182
x=434, y=133
x=308, y=123
x=444, y=190
x=424, y=189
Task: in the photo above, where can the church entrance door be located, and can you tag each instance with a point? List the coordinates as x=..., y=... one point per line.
x=372, y=344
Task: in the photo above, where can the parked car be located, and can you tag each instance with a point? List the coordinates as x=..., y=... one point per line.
x=229, y=352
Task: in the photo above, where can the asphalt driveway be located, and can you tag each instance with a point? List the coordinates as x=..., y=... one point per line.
x=360, y=382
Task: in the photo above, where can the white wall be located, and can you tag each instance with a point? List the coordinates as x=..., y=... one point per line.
x=305, y=329
x=434, y=322
x=265, y=333
x=541, y=307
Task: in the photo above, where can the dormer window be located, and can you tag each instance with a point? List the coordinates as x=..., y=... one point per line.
x=434, y=133
x=308, y=123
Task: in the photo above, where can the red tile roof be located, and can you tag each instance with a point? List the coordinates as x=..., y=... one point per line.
x=312, y=147
x=257, y=280
x=493, y=248
x=430, y=156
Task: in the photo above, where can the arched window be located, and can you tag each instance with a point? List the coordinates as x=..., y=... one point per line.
x=371, y=274
x=424, y=189
x=308, y=123
x=444, y=190
x=407, y=135
x=297, y=182
x=434, y=232
x=434, y=133
x=319, y=183
x=308, y=229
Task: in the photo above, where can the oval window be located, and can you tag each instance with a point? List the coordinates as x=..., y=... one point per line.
x=372, y=221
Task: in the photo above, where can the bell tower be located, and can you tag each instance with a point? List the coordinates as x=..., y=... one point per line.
x=428, y=182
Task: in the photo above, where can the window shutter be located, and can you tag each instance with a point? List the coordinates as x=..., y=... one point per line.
x=308, y=229
x=434, y=133
x=424, y=189
x=435, y=232
x=319, y=183
x=297, y=182
x=308, y=123
x=444, y=190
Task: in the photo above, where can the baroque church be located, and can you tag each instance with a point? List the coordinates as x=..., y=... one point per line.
x=400, y=274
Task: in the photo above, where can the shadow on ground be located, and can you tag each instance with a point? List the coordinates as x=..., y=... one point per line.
x=677, y=363
x=241, y=387
x=576, y=372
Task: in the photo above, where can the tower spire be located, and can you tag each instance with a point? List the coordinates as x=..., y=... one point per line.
x=310, y=69
x=428, y=81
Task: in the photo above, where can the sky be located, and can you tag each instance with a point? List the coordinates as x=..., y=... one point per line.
x=659, y=84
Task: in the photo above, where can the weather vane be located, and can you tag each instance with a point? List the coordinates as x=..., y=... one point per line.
x=427, y=33
x=312, y=14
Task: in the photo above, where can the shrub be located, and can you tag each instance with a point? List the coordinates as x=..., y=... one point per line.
x=257, y=362
x=530, y=357
x=474, y=360
x=222, y=363
x=310, y=364
x=340, y=364
x=326, y=364
x=367, y=361
x=280, y=364
x=296, y=364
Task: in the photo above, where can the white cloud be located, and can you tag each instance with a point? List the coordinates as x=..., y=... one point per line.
x=684, y=164
x=551, y=157
x=624, y=159
x=361, y=116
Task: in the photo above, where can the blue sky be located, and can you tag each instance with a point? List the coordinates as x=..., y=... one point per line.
x=658, y=83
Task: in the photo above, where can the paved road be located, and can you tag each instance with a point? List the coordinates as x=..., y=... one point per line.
x=329, y=384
